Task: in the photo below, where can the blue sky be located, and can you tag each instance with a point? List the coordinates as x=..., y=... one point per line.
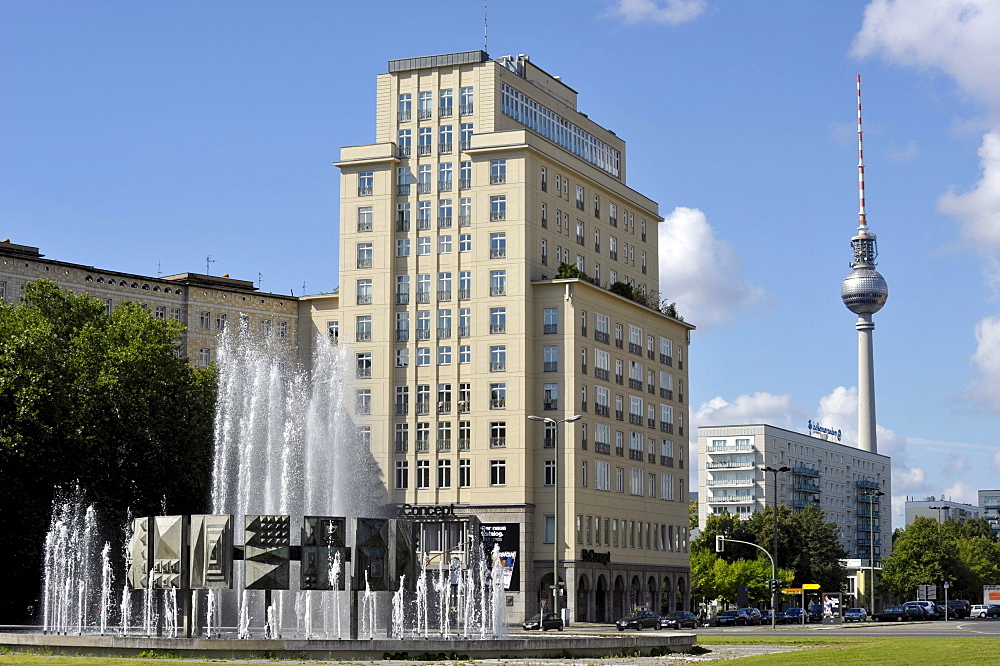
x=145, y=137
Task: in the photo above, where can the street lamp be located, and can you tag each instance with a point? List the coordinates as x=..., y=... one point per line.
x=555, y=501
x=939, y=510
x=774, y=565
x=872, y=494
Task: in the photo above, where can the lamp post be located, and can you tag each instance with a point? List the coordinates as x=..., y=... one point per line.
x=939, y=510
x=555, y=501
x=774, y=563
x=872, y=494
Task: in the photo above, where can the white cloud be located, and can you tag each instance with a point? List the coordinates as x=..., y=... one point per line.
x=984, y=390
x=702, y=273
x=957, y=37
x=767, y=408
x=957, y=465
x=962, y=492
x=995, y=467
x=978, y=210
x=666, y=12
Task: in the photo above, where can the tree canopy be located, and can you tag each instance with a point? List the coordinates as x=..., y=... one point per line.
x=97, y=401
x=966, y=554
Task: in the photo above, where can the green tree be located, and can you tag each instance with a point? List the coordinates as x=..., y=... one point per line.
x=693, y=514
x=566, y=270
x=807, y=544
x=98, y=401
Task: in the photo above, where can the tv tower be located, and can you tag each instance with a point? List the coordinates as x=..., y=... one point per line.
x=864, y=292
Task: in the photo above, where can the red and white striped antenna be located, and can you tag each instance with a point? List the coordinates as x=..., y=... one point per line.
x=862, y=216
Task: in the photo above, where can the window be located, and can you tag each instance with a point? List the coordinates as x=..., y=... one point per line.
x=465, y=243
x=498, y=208
x=549, y=473
x=423, y=435
x=403, y=220
x=444, y=280
x=366, y=181
x=444, y=474
x=444, y=355
x=498, y=396
x=206, y=321
x=498, y=283
x=363, y=401
x=550, y=396
x=404, y=107
x=444, y=322
x=424, y=101
x=550, y=320
x=364, y=292
x=333, y=331
x=402, y=291
x=465, y=136
x=404, y=142
x=545, y=217
x=423, y=356
x=402, y=475
x=265, y=328
x=423, y=474
x=364, y=255
x=204, y=357
x=545, y=253
x=365, y=218
x=465, y=101
x=364, y=365
x=424, y=171
x=444, y=244
x=465, y=176
x=423, y=288
x=444, y=213
x=597, y=205
x=498, y=320
x=498, y=472
x=464, y=319
x=498, y=358
x=498, y=245
x=424, y=142
x=667, y=486
x=498, y=172
x=579, y=197
x=551, y=359
x=364, y=328
x=465, y=354
x=545, y=180
x=445, y=103
x=583, y=484
x=402, y=404
x=602, y=475
x=580, y=233
x=445, y=142
x=464, y=473
x=444, y=437
x=423, y=246
x=620, y=479
x=159, y=313
x=498, y=434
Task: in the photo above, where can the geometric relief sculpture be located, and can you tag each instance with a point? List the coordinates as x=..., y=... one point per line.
x=211, y=552
x=323, y=539
x=169, y=556
x=371, y=554
x=138, y=548
x=403, y=554
x=266, y=552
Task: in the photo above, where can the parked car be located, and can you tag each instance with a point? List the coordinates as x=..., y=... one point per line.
x=765, y=616
x=795, y=615
x=732, y=618
x=755, y=616
x=898, y=614
x=639, y=620
x=816, y=613
x=544, y=622
x=951, y=612
x=927, y=608
x=978, y=610
x=993, y=610
x=680, y=619
x=963, y=608
x=855, y=615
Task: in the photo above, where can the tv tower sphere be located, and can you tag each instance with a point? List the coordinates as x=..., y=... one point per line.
x=864, y=291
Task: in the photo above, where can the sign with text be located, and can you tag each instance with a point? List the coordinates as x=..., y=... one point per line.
x=508, y=537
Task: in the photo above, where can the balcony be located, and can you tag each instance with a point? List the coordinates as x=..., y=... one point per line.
x=550, y=366
x=465, y=145
x=444, y=148
x=444, y=221
x=498, y=215
x=730, y=464
x=498, y=403
x=423, y=188
x=548, y=442
x=730, y=483
x=465, y=109
x=363, y=408
x=364, y=225
x=666, y=360
x=498, y=179
x=444, y=446
x=729, y=448
x=444, y=112
x=463, y=444
x=463, y=406
x=619, y=343
x=403, y=298
x=464, y=220
x=364, y=372
x=422, y=446
x=403, y=190
x=498, y=290
x=423, y=150
x=400, y=446
x=550, y=329
x=464, y=183
x=463, y=331
x=550, y=405
x=364, y=262
x=404, y=116
x=601, y=410
x=423, y=114
x=633, y=348
x=602, y=448
x=365, y=191
x=402, y=225
x=423, y=334
x=364, y=299
x=602, y=373
x=444, y=295
x=498, y=328
x=423, y=223
x=635, y=419
x=805, y=487
x=444, y=332
x=423, y=297
x=404, y=151
x=866, y=483
x=498, y=442
x=651, y=423
x=498, y=253
x=635, y=384
x=602, y=336
x=667, y=427
x=730, y=499
x=619, y=415
x=444, y=407
x=364, y=336
x=667, y=461
x=498, y=366
x=635, y=455
x=805, y=471
x=619, y=379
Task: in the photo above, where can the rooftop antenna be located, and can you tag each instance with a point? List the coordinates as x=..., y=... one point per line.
x=485, y=33
x=159, y=270
x=260, y=279
x=862, y=216
x=208, y=264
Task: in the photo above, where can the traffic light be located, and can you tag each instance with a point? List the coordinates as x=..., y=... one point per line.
x=775, y=585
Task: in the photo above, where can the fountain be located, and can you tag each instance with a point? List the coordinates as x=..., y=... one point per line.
x=286, y=447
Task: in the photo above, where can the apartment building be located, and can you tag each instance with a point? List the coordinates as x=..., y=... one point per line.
x=853, y=487
x=204, y=304
x=483, y=179
x=939, y=510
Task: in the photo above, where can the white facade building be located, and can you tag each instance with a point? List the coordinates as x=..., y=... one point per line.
x=939, y=510
x=842, y=479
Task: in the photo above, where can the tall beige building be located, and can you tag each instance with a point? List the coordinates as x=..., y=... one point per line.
x=484, y=178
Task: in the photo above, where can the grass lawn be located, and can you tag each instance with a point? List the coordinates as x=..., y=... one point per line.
x=864, y=651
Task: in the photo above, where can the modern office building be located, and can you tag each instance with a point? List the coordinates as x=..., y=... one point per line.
x=989, y=507
x=939, y=510
x=205, y=304
x=853, y=487
x=481, y=234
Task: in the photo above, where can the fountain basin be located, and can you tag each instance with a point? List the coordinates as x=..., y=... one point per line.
x=512, y=648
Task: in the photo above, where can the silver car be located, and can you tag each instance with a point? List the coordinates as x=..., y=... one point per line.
x=855, y=615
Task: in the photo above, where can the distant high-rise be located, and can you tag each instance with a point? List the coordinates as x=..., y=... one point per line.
x=864, y=292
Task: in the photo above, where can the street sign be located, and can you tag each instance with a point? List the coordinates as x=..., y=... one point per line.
x=810, y=586
x=947, y=584
x=792, y=590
